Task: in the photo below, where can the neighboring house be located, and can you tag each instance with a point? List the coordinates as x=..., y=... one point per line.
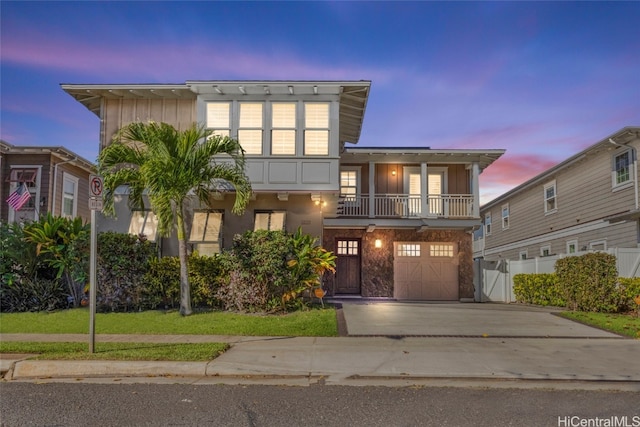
x=398, y=219
x=57, y=180
x=588, y=202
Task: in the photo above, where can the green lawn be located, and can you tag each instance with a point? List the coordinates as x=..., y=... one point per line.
x=116, y=351
x=623, y=324
x=315, y=322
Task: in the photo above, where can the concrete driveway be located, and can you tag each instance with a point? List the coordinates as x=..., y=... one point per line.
x=461, y=320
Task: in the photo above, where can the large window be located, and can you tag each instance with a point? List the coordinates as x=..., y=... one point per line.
x=250, y=127
x=69, y=195
x=144, y=224
x=269, y=220
x=205, y=232
x=316, y=124
x=283, y=129
x=219, y=118
x=622, y=168
x=550, y=199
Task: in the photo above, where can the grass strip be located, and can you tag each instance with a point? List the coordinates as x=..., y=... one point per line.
x=314, y=322
x=623, y=324
x=117, y=351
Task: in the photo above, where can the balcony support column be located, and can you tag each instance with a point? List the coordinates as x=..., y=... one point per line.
x=475, y=189
x=372, y=190
x=424, y=190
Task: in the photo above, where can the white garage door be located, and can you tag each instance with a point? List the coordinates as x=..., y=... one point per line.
x=426, y=271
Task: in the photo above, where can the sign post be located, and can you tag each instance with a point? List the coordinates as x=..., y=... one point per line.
x=95, y=203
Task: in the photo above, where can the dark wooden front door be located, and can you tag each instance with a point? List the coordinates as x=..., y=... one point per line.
x=348, y=266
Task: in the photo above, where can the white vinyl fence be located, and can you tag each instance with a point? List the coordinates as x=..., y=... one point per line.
x=493, y=280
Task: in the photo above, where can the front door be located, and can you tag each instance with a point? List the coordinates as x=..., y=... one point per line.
x=348, y=266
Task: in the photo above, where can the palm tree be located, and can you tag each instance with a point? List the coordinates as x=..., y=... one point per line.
x=168, y=166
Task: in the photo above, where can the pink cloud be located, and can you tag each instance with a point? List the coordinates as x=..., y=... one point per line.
x=513, y=170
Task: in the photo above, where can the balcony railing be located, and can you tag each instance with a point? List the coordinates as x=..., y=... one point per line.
x=407, y=206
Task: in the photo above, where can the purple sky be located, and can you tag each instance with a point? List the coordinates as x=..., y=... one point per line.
x=542, y=80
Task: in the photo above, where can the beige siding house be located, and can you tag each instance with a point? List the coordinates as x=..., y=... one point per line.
x=398, y=219
x=587, y=202
x=57, y=179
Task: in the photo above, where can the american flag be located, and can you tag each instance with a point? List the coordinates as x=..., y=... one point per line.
x=18, y=198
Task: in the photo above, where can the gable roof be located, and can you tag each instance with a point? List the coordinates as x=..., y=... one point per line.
x=62, y=153
x=353, y=95
x=621, y=137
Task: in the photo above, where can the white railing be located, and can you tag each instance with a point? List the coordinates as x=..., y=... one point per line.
x=408, y=206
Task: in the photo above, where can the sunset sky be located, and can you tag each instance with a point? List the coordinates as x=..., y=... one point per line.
x=542, y=80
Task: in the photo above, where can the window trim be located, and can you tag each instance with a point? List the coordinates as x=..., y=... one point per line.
x=547, y=248
x=505, y=219
x=149, y=216
x=487, y=226
x=198, y=244
x=34, y=189
x=614, y=171
x=602, y=242
x=551, y=184
x=67, y=177
x=358, y=187
x=307, y=129
x=270, y=111
x=570, y=243
x=525, y=253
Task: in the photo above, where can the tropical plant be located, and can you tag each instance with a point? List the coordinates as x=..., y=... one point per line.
x=63, y=244
x=168, y=165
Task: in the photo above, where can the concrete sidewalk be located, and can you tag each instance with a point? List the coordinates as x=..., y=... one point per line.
x=610, y=362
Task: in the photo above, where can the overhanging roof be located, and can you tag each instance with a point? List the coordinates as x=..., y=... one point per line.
x=353, y=95
x=62, y=153
x=415, y=155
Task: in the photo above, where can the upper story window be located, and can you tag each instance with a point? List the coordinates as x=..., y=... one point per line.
x=550, y=199
x=250, y=127
x=316, y=125
x=271, y=220
x=487, y=224
x=205, y=232
x=219, y=118
x=505, y=216
x=350, y=182
x=144, y=223
x=69, y=195
x=283, y=128
x=622, y=168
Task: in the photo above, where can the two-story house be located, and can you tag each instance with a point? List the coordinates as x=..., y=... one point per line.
x=588, y=202
x=56, y=178
x=399, y=220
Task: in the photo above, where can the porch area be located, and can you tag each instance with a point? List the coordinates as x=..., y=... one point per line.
x=408, y=206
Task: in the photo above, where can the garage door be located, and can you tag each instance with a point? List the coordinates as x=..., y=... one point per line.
x=425, y=271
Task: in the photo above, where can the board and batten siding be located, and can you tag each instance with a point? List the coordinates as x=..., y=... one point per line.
x=180, y=113
x=584, y=197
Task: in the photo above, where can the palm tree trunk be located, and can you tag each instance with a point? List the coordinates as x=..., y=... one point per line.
x=185, y=291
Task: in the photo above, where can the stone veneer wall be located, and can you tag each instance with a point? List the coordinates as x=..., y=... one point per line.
x=377, y=263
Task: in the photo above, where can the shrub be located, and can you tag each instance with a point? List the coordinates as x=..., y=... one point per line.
x=162, y=283
x=237, y=289
x=628, y=290
x=203, y=278
x=33, y=295
x=541, y=289
x=123, y=261
x=588, y=282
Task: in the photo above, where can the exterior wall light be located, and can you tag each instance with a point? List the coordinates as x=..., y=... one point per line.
x=393, y=172
x=378, y=243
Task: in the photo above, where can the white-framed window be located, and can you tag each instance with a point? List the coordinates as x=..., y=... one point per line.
x=250, y=127
x=598, y=245
x=621, y=168
x=523, y=255
x=30, y=177
x=545, y=250
x=283, y=128
x=206, y=231
x=550, y=198
x=487, y=224
x=505, y=216
x=572, y=246
x=316, y=128
x=350, y=182
x=69, y=195
x=441, y=250
x=409, y=249
x=144, y=223
x=219, y=118
x=269, y=220
x=348, y=247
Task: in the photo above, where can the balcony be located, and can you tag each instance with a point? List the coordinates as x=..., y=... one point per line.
x=407, y=206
